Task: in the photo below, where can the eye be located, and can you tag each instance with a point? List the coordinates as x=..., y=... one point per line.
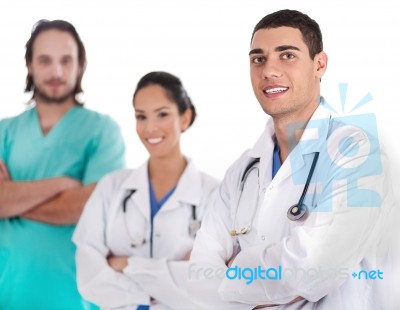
x=66, y=60
x=163, y=114
x=288, y=56
x=44, y=60
x=257, y=59
x=140, y=117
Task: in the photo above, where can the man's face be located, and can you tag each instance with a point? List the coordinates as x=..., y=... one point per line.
x=54, y=67
x=285, y=80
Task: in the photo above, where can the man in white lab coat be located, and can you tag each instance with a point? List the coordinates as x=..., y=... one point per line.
x=301, y=221
x=316, y=236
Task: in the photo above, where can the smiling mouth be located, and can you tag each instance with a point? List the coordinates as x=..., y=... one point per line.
x=54, y=82
x=154, y=140
x=276, y=90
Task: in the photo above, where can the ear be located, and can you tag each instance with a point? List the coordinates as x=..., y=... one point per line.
x=186, y=117
x=29, y=66
x=82, y=69
x=321, y=63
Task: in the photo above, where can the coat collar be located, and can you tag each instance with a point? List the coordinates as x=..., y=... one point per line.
x=313, y=140
x=188, y=189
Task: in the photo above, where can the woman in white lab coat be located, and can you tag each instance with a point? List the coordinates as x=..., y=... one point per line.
x=153, y=211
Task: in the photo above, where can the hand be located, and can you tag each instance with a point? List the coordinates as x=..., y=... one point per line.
x=230, y=261
x=4, y=175
x=187, y=256
x=118, y=263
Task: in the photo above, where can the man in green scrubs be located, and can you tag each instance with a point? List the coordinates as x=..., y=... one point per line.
x=51, y=157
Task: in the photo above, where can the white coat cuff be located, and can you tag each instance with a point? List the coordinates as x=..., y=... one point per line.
x=147, y=268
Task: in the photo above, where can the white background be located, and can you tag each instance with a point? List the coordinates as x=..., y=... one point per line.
x=206, y=44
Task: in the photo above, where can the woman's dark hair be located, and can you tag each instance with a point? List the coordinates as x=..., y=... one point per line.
x=308, y=27
x=61, y=25
x=173, y=87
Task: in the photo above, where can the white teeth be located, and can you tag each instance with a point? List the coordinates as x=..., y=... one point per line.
x=275, y=90
x=154, y=140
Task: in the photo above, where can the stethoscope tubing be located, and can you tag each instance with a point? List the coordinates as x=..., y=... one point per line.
x=295, y=212
x=194, y=225
x=310, y=174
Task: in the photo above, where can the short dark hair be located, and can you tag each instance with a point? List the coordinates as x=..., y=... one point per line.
x=173, y=87
x=308, y=27
x=61, y=25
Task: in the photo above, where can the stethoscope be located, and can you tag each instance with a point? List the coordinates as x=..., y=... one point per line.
x=194, y=223
x=296, y=212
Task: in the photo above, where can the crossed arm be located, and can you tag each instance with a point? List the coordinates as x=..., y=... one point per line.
x=56, y=201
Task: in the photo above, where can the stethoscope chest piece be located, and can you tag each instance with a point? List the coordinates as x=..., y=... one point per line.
x=297, y=212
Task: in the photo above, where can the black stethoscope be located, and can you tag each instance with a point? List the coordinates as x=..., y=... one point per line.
x=194, y=224
x=296, y=212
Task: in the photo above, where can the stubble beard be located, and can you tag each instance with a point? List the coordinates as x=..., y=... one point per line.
x=43, y=97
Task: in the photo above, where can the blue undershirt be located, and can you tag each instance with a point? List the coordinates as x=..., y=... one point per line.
x=155, y=206
x=276, y=161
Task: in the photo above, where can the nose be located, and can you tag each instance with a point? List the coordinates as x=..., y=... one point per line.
x=151, y=126
x=271, y=69
x=56, y=70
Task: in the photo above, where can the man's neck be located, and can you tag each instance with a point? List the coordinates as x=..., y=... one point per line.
x=50, y=113
x=288, y=130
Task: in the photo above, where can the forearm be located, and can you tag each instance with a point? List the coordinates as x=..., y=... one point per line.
x=64, y=209
x=313, y=254
x=102, y=285
x=180, y=284
x=156, y=279
x=19, y=197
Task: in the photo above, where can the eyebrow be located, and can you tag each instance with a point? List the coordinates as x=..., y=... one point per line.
x=156, y=110
x=42, y=56
x=280, y=48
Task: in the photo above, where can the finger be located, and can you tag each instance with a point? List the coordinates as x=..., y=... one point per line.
x=4, y=175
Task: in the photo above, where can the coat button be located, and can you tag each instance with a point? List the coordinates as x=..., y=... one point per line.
x=263, y=237
x=157, y=235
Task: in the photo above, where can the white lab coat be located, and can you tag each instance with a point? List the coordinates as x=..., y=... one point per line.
x=335, y=240
x=105, y=229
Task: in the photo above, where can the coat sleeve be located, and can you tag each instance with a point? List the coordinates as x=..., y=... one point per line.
x=214, y=247
x=97, y=281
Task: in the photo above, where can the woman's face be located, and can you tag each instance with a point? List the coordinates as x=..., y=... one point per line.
x=158, y=123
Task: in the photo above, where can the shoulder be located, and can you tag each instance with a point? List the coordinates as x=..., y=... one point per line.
x=103, y=129
x=10, y=125
x=353, y=136
x=117, y=178
x=238, y=167
x=5, y=123
x=197, y=178
x=93, y=117
x=209, y=181
x=9, y=121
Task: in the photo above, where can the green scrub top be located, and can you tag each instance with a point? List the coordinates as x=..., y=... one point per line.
x=37, y=260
